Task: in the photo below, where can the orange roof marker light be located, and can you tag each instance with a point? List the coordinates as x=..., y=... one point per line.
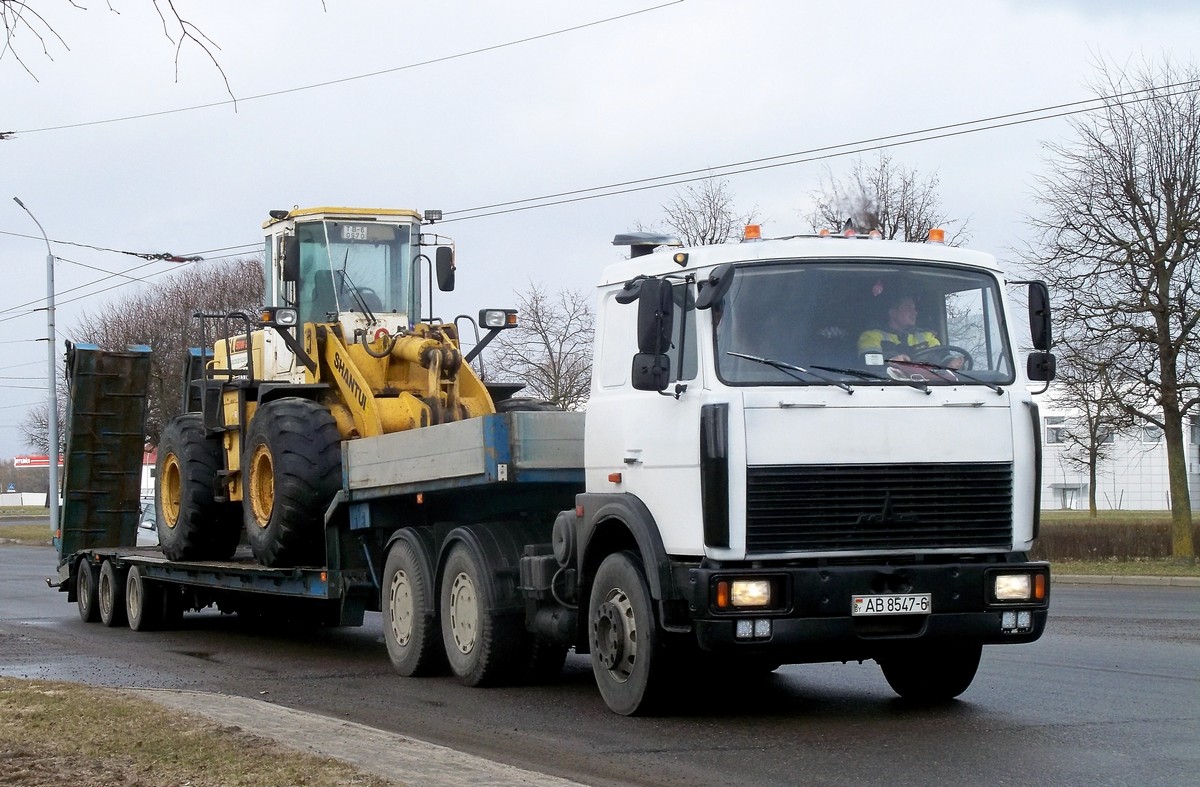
x=824, y=233
x=937, y=235
x=875, y=235
x=753, y=232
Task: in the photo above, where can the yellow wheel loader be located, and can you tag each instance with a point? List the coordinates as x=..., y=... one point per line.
x=339, y=352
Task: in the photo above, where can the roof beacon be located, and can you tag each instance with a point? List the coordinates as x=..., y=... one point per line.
x=753, y=232
x=937, y=235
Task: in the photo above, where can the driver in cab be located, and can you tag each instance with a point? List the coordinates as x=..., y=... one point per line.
x=900, y=341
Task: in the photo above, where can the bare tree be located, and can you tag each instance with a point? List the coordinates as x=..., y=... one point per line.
x=1085, y=386
x=161, y=318
x=1119, y=240
x=884, y=196
x=20, y=16
x=551, y=351
x=704, y=214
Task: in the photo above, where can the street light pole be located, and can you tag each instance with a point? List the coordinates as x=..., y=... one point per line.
x=52, y=412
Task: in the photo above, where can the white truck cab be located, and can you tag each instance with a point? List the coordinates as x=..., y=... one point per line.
x=799, y=492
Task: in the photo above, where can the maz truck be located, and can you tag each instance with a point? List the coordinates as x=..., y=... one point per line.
x=750, y=485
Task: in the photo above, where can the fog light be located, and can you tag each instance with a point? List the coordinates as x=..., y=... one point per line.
x=744, y=629
x=1024, y=620
x=1008, y=620
x=750, y=592
x=1013, y=587
x=762, y=628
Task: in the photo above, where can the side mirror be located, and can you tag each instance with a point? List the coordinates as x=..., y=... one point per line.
x=715, y=286
x=291, y=258
x=444, y=265
x=1041, y=366
x=656, y=316
x=1039, y=315
x=651, y=371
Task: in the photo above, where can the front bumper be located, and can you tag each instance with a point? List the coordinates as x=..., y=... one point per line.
x=810, y=619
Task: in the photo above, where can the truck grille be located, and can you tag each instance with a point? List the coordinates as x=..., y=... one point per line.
x=811, y=508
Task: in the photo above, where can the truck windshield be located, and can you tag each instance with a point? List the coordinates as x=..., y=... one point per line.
x=861, y=321
x=354, y=266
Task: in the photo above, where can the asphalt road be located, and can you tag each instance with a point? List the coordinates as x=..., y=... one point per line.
x=1110, y=695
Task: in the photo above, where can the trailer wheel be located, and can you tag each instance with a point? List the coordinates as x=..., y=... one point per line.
x=144, y=601
x=86, y=596
x=191, y=524
x=410, y=623
x=934, y=673
x=291, y=469
x=111, y=591
x=482, y=646
x=627, y=657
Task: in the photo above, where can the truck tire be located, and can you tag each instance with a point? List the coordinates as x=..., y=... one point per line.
x=626, y=644
x=144, y=601
x=111, y=590
x=482, y=646
x=86, y=596
x=932, y=673
x=410, y=622
x=191, y=524
x=291, y=469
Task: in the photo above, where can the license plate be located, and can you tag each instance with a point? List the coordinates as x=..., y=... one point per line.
x=892, y=604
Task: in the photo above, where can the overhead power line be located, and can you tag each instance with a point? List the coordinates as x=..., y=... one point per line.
x=343, y=80
x=821, y=153
x=677, y=178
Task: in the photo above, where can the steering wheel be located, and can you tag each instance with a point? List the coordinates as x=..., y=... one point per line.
x=941, y=353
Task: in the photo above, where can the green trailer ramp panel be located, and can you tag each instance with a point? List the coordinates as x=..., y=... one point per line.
x=105, y=442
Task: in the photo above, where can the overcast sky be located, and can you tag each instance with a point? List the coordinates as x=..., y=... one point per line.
x=690, y=85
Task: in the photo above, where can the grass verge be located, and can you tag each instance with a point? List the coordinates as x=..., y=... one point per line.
x=1126, y=568
x=30, y=535
x=61, y=733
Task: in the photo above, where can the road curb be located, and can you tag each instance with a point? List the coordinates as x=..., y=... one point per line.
x=392, y=756
x=1107, y=579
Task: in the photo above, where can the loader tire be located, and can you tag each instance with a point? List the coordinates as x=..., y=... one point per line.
x=291, y=469
x=191, y=524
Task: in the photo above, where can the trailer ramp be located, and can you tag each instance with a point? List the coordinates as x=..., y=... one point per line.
x=105, y=442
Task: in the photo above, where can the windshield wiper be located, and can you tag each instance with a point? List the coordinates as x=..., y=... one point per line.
x=359, y=300
x=788, y=368
x=920, y=386
x=956, y=373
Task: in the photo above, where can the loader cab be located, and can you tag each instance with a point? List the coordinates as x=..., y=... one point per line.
x=351, y=266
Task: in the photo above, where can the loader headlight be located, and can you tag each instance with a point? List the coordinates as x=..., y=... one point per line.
x=498, y=318
x=283, y=317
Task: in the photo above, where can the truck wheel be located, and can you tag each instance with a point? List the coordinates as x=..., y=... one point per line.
x=410, y=624
x=483, y=647
x=291, y=469
x=627, y=656
x=85, y=592
x=191, y=524
x=934, y=673
x=111, y=591
x=144, y=601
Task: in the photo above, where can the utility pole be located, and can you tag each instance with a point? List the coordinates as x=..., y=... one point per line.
x=52, y=412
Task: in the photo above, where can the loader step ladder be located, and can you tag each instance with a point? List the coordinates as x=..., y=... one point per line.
x=105, y=443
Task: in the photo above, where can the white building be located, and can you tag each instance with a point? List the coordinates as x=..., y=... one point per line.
x=1133, y=475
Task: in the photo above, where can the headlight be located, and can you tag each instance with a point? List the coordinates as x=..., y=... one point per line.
x=743, y=593
x=1013, y=587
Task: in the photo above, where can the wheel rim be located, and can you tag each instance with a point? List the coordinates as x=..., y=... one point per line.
x=614, y=635
x=106, y=597
x=169, y=490
x=133, y=597
x=464, y=613
x=83, y=587
x=401, y=609
x=262, y=485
